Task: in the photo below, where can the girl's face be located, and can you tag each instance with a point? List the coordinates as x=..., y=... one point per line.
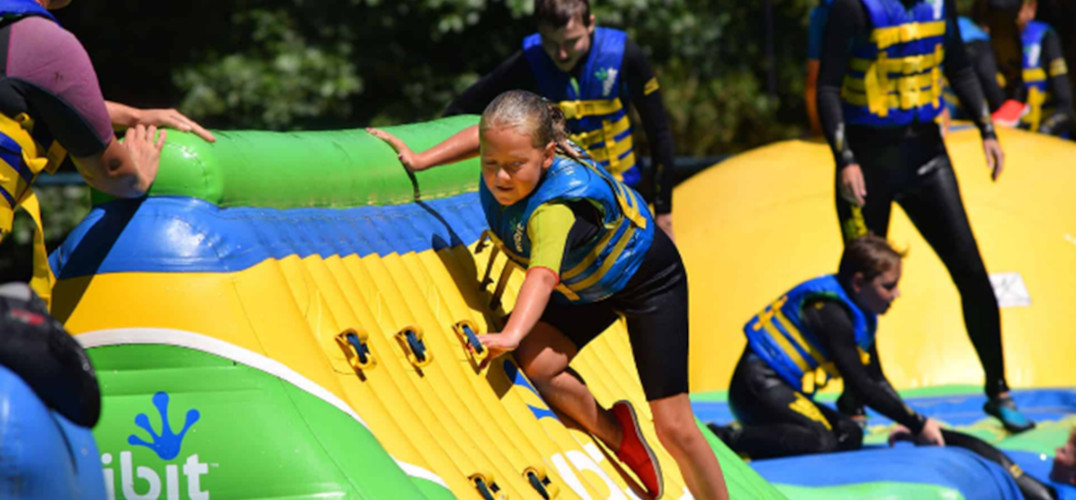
x=878, y=294
x=511, y=165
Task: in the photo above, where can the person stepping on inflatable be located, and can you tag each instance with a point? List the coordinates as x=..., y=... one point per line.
x=1004, y=409
x=634, y=452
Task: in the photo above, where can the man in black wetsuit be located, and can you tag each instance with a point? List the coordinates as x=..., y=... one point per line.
x=825, y=328
x=879, y=92
x=593, y=73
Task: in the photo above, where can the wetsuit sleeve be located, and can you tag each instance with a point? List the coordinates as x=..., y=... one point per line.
x=847, y=19
x=874, y=369
x=514, y=73
x=1061, y=119
x=962, y=77
x=51, y=69
x=646, y=96
x=986, y=69
x=833, y=325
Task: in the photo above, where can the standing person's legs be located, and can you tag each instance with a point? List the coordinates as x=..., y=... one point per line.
x=934, y=205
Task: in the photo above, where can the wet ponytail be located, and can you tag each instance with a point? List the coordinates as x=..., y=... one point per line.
x=533, y=115
x=559, y=126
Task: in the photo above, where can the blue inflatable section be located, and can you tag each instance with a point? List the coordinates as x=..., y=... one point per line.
x=42, y=455
x=963, y=471
x=1041, y=405
x=954, y=468
x=180, y=234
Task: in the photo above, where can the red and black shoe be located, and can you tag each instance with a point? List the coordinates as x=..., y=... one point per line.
x=635, y=453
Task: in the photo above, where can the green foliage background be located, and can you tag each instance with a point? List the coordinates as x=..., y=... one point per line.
x=330, y=64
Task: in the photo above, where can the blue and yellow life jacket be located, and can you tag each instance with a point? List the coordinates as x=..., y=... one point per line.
x=894, y=75
x=777, y=335
x=604, y=265
x=595, y=106
x=24, y=155
x=1035, y=76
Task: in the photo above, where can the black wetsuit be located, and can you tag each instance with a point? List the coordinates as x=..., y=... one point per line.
x=515, y=73
x=778, y=420
x=653, y=303
x=910, y=165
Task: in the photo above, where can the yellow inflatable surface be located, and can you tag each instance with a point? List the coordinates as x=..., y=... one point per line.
x=757, y=224
x=325, y=313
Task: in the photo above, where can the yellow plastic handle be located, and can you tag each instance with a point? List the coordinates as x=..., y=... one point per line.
x=356, y=350
x=467, y=331
x=410, y=339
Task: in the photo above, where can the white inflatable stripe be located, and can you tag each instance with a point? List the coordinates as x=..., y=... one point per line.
x=204, y=343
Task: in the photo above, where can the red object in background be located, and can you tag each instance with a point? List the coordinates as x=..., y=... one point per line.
x=1009, y=113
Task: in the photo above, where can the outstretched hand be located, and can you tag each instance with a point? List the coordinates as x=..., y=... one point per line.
x=144, y=145
x=408, y=158
x=173, y=119
x=499, y=343
x=930, y=435
x=995, y=157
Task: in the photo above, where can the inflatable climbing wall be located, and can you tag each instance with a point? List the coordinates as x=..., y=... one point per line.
x=287, y=315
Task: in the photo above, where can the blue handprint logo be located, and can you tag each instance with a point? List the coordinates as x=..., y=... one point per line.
x=166, y=445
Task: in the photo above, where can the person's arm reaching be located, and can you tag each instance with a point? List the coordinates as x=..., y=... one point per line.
x=124, y=117
x=548, y=230
x=833, y=325
x=58, y=82
x=125, y=170
x=461, y=146
x=646, y=96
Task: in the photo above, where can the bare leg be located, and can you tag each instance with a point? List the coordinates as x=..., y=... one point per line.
x=544, y=356
x=677, y=431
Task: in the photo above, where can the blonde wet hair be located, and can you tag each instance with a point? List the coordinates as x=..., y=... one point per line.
x=531, y=115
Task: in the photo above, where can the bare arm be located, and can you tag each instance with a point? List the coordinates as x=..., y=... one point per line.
x=124, y=116
x=125, y=169
x=810, y=94
x=533, y=297
x=461, y=146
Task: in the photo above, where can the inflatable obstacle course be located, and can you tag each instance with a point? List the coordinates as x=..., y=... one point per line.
x=288, y=316
x=755, y=225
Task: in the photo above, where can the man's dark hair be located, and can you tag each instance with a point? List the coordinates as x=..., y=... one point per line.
x=868, y=255
x=557, y=13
